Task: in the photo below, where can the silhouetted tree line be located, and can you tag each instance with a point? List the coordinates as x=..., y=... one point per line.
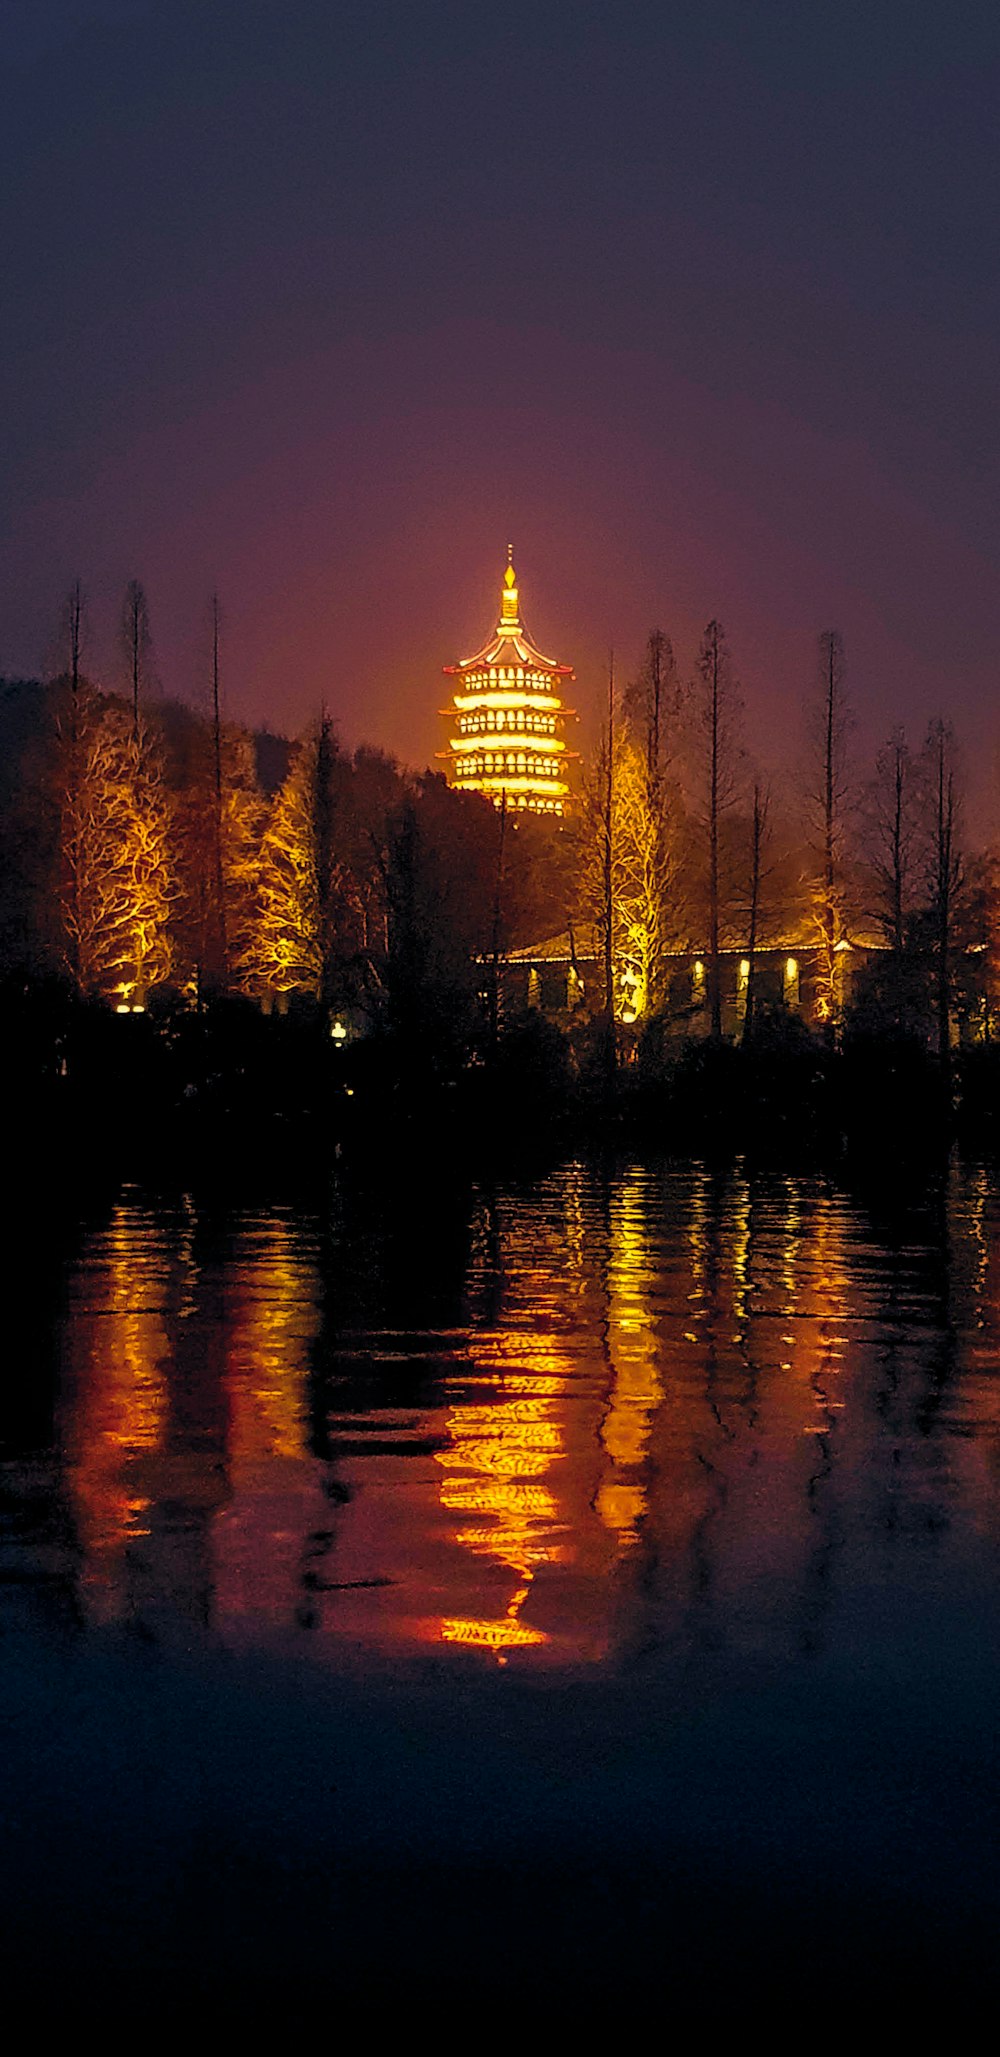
x=172, y=864
x=685, y=846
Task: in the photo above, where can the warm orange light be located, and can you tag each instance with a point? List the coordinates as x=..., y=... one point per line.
x=506, y=708
x=544, y=702
x=491, y=1635
x=487, y=784
x=505, y=738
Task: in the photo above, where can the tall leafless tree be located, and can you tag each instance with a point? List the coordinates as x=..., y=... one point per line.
x=651, y=706
x=325, y=851
x=944, y=867
x=889, y=815
x=72, y=640
x=829, y=792
x=720, y=709
x=611, y=1045
x=217, y=824
x=496, y=937
x=137, y=644
x=759, y=831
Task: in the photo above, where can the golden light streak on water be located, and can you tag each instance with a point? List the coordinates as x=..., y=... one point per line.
x=633, y=1354
x=662, y=1405
x=117, y=1423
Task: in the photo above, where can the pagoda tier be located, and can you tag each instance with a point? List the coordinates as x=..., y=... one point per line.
x=508, y=720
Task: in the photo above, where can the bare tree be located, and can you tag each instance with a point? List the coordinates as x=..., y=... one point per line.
x=326, y=852
x=720, y=710
x=889, y=815
x=944, y=867
x=71, y=771
x=220, y=894
x=74, y=636
x=652, y=704
x=137, y=644
x=611, y=1046
x=496, y=938
x=759, y=835
x=829, y=794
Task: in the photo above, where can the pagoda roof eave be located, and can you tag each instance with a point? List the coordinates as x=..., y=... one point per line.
x=506, y=650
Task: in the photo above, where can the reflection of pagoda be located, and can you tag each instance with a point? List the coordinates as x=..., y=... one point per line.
x=508, y=718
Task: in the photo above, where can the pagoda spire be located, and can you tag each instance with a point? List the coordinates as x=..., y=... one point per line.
x=509, y=616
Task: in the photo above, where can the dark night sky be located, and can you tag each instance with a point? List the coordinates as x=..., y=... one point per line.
x=698, y=303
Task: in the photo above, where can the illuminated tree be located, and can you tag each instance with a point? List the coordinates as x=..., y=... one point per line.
x=121, y=881
x=300, y=931
x=243, y=812
x=626, y=836
x=284, y=951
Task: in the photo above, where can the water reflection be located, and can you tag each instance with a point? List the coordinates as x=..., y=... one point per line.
x=655, y=1410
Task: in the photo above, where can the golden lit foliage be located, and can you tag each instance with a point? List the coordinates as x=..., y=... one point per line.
x=118, y=873
x=243, y=815
x=283, y=947
x=643, y=868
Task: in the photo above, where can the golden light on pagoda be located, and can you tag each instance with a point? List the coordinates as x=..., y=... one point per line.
x=507, y=718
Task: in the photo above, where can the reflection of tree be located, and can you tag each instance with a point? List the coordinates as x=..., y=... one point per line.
x=183, y=1421
x=118, y=1403
x=517, y=1479
x=798, y=1388
x=636, y=1390
x=498, y=1463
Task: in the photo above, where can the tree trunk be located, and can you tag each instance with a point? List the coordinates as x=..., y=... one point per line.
x=498, y=926
x=714, y=969
x=220, y=896
x=756, y=852
x=944, y=862
x=611, y=1053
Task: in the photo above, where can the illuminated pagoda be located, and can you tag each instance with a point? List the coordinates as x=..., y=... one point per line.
x=508, y=719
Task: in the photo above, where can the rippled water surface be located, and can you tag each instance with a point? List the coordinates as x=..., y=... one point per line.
x=693, y=1444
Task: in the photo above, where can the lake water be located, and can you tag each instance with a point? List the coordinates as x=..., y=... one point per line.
x=573, y=1590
